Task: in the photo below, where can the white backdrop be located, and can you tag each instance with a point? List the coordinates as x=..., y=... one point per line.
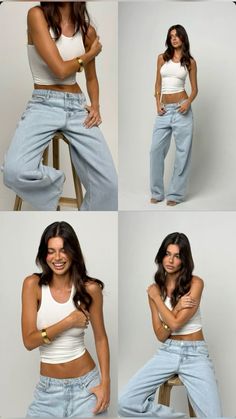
x=212, y=32
x=212, y=237
x=16, y=81
x=20, y=236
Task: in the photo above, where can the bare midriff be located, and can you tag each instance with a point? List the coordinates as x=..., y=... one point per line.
x=71, y=369
x=173, y=97
x=192, y=336
x=71, y=88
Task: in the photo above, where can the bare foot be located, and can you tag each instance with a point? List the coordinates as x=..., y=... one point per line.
x=154, y=201
x=172, y=203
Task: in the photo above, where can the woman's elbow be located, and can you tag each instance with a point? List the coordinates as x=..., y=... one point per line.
x=28, y=346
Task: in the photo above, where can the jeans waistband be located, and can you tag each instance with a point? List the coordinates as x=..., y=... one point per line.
x=184, y=343
x=69, y=381
x=59, y=95
x=175, y=105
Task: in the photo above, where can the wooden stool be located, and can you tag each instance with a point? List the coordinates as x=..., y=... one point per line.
x=71, y=202
x=164, y=393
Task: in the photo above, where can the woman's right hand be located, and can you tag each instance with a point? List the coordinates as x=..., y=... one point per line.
x=161, y=109
x=96, y=47
x=79, y=318
x=186, y=301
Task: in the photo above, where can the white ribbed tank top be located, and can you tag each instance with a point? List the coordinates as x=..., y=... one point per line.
x=68, y=47
x=193, y=325
x=173, y=76
x=68, y=345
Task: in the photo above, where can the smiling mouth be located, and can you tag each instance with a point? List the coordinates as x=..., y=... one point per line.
x=59, y=265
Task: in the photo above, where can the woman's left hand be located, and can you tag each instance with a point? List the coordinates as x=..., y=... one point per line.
x=184, y=107
x=153, y=291
x=94, y=118
x=102, y=392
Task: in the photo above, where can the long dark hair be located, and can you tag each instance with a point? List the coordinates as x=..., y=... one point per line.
x=78, y=270
x=185, y=274
x=78, y=15
x=169, y=52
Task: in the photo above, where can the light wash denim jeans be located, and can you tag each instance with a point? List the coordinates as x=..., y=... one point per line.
x=181, y=126
x=47, y=112
x=188, y=359
x=64, y=398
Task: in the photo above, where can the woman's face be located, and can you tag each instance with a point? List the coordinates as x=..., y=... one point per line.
x=171, y=261
x=57, y=259
x=175, y=40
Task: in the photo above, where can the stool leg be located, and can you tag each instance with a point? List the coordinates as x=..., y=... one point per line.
x=17, y=204
x=45, y=156
x=164, y=394
x=77, y=185
x=191, y=411
x=56, y=156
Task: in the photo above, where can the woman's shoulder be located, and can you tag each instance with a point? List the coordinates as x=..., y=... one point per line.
x=193, y=63
x=31, y=282
x=90, y=36
x=160, y=57
x=93, y=287
x=35, y=15
x=197, y=280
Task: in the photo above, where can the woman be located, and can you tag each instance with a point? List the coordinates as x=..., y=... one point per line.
x=61, y=42
x=57, y=306
x=174, y=116
x=174, y=301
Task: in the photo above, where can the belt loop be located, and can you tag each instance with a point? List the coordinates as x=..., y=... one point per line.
x=48, y=94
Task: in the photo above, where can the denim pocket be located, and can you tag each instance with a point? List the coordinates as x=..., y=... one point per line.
x=90, y=382
x=41, y=386
x=202, y=350
x=38, y=98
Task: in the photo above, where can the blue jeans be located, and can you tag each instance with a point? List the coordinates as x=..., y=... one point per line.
x=181, y=126
x=62, y=398
x=188, y=359
x=47, y=112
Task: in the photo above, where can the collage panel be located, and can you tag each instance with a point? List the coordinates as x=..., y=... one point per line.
x=30, y=120
x=145, y=360
x=21, y=236
x=199, y=172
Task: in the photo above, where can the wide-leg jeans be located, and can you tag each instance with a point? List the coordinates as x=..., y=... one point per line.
x=190, y=360
x=47, y=112
x=181, y=126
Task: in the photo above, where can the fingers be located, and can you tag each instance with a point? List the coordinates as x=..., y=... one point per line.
x=101, y=406
x=93, y=118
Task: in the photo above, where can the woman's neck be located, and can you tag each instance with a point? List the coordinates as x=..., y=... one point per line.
x=61, y=281
x=65, y=10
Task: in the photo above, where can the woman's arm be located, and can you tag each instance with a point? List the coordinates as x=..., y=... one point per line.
x=193, y=80
x=47, y=49
x=176, y=320
x=194, y=89
x=161, y=333
x=160, y=62
x=32, y=337
x=94, y=117
x=102, y=391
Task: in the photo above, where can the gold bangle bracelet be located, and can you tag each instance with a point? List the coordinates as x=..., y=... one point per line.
x=165, y=326
x=45, y=336
x=81, y=64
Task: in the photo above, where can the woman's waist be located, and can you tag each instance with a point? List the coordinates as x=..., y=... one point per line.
x=65, y=88
x=72, y=369
x=173, y=98
x=198, y=335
